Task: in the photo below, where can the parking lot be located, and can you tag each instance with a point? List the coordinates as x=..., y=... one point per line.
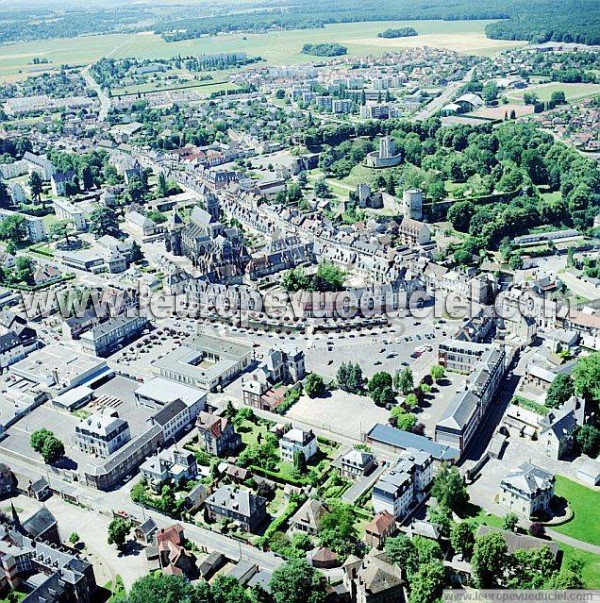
x=484, y=490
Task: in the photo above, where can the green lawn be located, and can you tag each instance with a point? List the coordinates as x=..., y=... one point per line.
x=591, y=564
x=480, y=516
x=544, y=91
x=275, y=47
x=585, y=503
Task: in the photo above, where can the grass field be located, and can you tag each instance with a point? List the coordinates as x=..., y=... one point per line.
x=591, y=564
x=275, y=47
x=585, y=503
x=544, y=91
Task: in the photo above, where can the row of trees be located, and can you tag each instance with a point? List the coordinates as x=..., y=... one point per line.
x=293, y=582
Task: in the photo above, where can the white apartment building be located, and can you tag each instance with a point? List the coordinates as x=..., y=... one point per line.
x=102, y=434
x=297, y=440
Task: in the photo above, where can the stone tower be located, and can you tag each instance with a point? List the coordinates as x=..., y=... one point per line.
x=412, y=204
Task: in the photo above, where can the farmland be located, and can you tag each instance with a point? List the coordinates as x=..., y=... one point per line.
x=544, y=91
x=16, y=60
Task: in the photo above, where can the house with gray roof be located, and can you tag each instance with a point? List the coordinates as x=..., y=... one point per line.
x=527, y=490
x=238, y=505
x=374, y=579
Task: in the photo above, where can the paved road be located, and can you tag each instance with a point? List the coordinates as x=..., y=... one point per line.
x=102, y=96
x=584, y=546
x=119, y=500
x=437, y=103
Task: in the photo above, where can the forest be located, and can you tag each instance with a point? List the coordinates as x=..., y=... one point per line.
x=535, y=20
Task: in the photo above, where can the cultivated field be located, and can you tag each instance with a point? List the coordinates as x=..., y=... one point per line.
x=501, y=110
x=544, y=91
x=275, y=47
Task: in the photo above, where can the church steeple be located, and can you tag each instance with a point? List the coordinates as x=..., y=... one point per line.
x=15, y=518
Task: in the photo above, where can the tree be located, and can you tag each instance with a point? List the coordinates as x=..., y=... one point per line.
x=490, y=91
x=402, y=552
x=13, y=228
x=411, y=401
x=87, y=178
x=537, y=530
x=489, y=559
x=227, y=589
x=136, y=253
x=38, y=438
x=294, y=193
x=52, y=450
x=35, y=186
x=5, y=200
x=314, y=386
x=560, y=390
x=558, y=97
x=349, y=377
x=118, y=531
x=379, y=387
x=300, y=461
x=295, y=582
x=437, y=372
x=460, y=214
x=161, y=588
x=442, y=517
x=329, y=278
x=586, y=377
x=74, y=538
x=462, y=538
x=322, y=189
x=449, y=488
x=337, y=529
x=404, y=420
x=103, y=221
x=24, y=269
x=427, y=584
x=530, y=98
x=60, y=230
x=162, y=188
x=510, y=522
x=405, y=381
x=588, y=440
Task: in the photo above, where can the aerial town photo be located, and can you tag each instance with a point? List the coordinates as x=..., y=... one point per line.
x=299, y=301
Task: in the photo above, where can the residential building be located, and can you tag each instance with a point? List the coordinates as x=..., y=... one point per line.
x=61, y=181
x=414, y=233
x=169, y=466
x=7, y=481
x=308, y=517
x=61, y=574
x=109, y=336
x=398, y=489
x=527, y=490
x=374, y=579
x=357, y=463
x=558, y=427
x=40, y=164
x=468, y=408
x=379, y=528
x=102, y=434
x=35, y=225
x=242, y=506
x=297, y=440
x=397, y=440
x=217, y=434
x=172, y=419
x=170, y=553
x=65, y=210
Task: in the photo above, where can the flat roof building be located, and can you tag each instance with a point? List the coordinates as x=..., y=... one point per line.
x=205, y=362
